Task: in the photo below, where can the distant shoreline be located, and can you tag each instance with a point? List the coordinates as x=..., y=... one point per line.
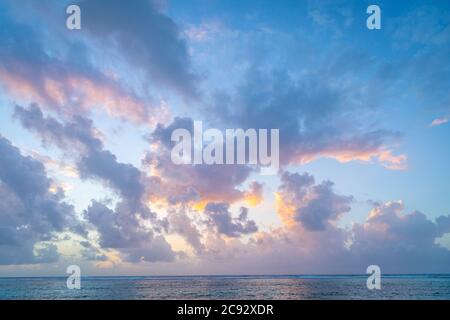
x=300, y=276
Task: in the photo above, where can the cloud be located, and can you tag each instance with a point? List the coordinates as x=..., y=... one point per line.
x=180, y=223
x=63, y=81
x=221, y=219
x=254, y=196
x=91, y=253
x=204, y=183
x=425, y=25
x=148, y=38
x=318, y=119
x=78, y=135
x=123, y=227
x=300, y=200
x=443, y=224
x=79, y=138
x=110, y=226
x=331, y=16
x=124, y=178
x=324, y=105
x=156, y=251
x=401, y=242
x=55, y=166
x=396, y=241
x=439, y=121
x=30, y=215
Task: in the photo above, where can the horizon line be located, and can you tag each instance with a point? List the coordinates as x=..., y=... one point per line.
x=229, y=275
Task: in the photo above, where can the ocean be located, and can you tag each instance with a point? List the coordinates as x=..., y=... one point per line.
x=229, y=287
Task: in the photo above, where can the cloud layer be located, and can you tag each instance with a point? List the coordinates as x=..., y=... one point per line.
x=98, y=106
x=31, y=216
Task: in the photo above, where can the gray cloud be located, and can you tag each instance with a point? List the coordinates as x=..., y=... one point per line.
x=65, y=82
x=29, y=214
x=120, y=228
x=149, y=39
x=203, y=182
x=184, y=225
x=315, y=118
x=401, y=242
x=78, y=138
x=157, y=250
x=72, y=136
x=315, y=204
x=220, y=218
x=398, y=242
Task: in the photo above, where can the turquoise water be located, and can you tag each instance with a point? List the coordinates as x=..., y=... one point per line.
x=229, y=287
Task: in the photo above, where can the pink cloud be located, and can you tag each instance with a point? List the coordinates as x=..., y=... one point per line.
x=382, y=156
x=439, y=121
x=75, y=93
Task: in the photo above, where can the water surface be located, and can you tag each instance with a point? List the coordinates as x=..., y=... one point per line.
x=229, y=287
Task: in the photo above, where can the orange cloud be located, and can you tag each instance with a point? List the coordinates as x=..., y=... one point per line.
x=384, y=156
x=285, y=210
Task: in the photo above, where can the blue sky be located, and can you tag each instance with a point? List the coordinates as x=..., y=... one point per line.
x=363, y=119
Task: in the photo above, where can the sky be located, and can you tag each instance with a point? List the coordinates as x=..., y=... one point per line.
x=86, y=116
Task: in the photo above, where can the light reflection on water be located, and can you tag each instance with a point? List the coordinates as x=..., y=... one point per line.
x=224, y=287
